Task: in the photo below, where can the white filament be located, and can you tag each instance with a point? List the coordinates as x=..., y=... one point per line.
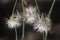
x=14, y=20
x=43, y=24
x=31, y=15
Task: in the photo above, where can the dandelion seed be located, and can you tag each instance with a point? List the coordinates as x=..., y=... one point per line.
x=14, y=20
x=43, y=24
x=31, y=15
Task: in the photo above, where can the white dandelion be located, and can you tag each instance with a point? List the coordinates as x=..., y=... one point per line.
x=14, y=20
x=31, y=14
x=44, y=23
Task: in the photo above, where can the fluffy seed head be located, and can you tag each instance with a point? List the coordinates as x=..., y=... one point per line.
x=31, y=14
x=14, y=20
x=43, y=24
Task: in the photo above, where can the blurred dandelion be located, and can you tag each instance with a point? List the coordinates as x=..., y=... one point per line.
x=44, y=23
x=31, y=14
x=15, y=19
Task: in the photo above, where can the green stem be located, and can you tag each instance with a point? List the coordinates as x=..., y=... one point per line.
x=37, y=6
x=16, y=33
x=14, y=7
x=23, y=21
x=46, y=36
x=43, y=36
x=23, y=31
x=51, y=8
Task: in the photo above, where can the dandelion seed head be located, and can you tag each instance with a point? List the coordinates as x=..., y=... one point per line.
x=31, y=14
x=43, y=24
x=14, y=20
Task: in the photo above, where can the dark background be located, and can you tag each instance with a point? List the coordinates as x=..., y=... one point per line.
x=44, y=6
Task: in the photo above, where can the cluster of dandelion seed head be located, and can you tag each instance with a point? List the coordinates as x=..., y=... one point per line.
x=31, y=15
x=43, y=24
x=14, y=20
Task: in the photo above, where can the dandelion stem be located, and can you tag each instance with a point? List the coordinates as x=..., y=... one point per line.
x=25, y=2
x=37, y=6
x=51, y=8
x=45, y=36
x=16, y=33
x=23, y=31
x=23, y=21
x=13, y=13
x=14, y=7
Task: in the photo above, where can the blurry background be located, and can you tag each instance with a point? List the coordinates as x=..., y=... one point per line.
x=6, y=7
